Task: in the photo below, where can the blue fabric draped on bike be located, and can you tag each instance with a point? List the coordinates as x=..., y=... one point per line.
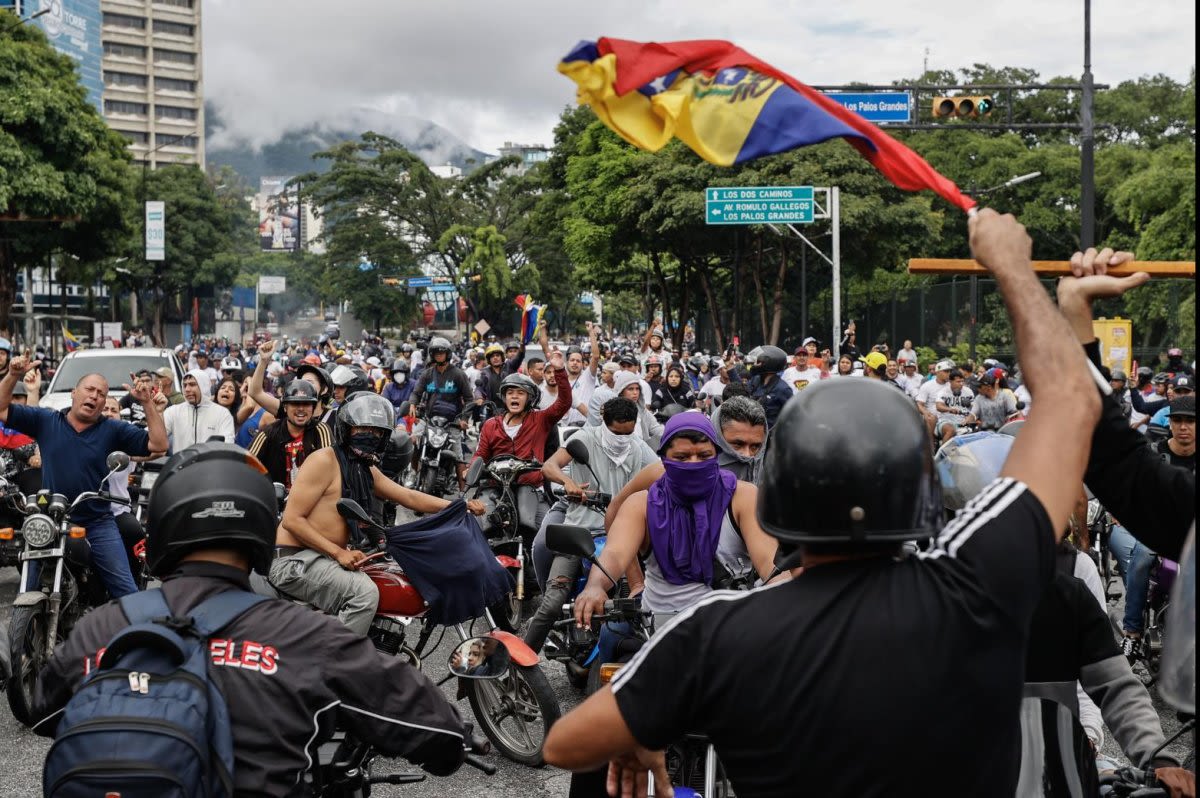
x=447, y=558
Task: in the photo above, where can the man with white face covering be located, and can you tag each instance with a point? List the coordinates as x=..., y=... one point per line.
x=628, y=385
x=615, y=455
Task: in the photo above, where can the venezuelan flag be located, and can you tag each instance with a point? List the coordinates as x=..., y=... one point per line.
x=729, y=107
x=70, y=342
x=531, y=316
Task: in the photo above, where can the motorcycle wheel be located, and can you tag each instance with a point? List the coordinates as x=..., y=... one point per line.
x=515, y=712
x=27, y=641
x=507, y=613
x=428, y=481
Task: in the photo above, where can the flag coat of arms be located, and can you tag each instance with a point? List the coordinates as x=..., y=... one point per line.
x=729, y=107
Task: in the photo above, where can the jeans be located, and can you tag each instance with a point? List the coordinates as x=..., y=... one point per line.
x=542, y=556
x=1136, y=562
x=556, y=591
x=110, y=559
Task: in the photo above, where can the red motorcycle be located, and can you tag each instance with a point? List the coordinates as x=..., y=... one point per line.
x=514, y=711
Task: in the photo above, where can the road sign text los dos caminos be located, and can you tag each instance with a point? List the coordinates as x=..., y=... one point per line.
x=759, y=205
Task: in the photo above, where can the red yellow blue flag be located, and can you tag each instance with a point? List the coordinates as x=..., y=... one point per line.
x=70, y=342
x=729, y=107
x=531, y=316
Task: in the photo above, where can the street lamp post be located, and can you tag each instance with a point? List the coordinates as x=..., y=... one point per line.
x=1087, y=140
x=145, y=167
x=29, y=18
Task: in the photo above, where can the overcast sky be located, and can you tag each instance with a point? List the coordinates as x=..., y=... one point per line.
x=486, y=70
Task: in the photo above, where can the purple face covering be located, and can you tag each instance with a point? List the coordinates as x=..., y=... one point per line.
x=685, y=507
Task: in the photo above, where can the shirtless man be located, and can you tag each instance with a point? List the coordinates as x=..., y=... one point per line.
x=313, y=560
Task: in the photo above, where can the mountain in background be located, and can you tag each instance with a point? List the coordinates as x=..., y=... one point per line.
x=292, y=153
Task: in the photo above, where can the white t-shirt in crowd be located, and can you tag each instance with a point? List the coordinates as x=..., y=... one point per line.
x=927, y=394
x=799, y=380
x=960, y=401
x=546, y=399
x=714, y=387
x=910, y=384
x=582, y=388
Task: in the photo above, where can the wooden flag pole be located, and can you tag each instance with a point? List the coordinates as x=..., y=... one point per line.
x=966, y=266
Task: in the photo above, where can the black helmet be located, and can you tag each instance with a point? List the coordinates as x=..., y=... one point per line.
x=672, y=409
x=521, y=382
x=211, y=495
x=440, y=345
x=1144, y=372
x=406, y=348
x=766, y=360
x=399, y=365
x=966, y=465
x=295, y=362
x=361, y=381
x=322, y=377
x=299, y=391
x=862, y=447
x=365, y=409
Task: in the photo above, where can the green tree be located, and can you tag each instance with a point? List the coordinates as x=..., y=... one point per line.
x=65, y=181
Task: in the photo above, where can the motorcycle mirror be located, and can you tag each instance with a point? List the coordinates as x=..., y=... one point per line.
x=117, y=461
x=280, y=491
x=573, y=540
x=578, y=451
x=474, y=472
x=480, y=658
x=351, y=510
x=701, y=396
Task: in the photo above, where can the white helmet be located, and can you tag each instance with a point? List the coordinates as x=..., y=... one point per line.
x=231, y=364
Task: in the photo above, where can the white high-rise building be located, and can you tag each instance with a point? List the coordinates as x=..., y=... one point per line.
x=153, y=78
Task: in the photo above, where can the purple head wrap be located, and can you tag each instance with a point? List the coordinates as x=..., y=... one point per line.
x=685, y=507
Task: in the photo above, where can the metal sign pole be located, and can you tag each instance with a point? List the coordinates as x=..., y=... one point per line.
x=835, y=217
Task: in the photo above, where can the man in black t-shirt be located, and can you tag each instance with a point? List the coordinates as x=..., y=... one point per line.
x=1180, y=449
x=137, y=413
x=836, y=682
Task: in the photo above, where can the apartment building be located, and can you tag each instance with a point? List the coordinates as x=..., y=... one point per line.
x=153, y=78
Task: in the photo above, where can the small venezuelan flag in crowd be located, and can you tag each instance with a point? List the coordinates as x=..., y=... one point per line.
x=729, y=107
x=531, y=316
x=69, y=341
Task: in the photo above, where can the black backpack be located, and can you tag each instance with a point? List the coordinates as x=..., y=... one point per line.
x=149, y=722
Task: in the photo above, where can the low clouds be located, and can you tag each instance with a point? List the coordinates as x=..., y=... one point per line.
x=485, y=71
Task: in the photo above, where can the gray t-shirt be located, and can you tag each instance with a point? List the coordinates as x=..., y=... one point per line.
x=604, y=475
x=993, y=413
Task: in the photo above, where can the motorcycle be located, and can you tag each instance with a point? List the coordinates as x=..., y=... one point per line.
x=342, y=766
x=510, y=708
x=692, y=762
x=1100, y=525
x=48, y=606
x=12, y=509
x=1154, y=617
x=510, y=524
x=437, y=463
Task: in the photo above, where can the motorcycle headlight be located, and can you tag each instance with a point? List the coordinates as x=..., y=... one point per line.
x=1093, y=511
x=437, y=437
x=39, y=531
x=148, y=479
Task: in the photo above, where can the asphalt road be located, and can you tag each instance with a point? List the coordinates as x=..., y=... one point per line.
x=21, y=752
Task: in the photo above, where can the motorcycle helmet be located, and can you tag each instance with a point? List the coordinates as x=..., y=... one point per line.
x=359, y=381
x=440, y=345
x=525, y=384
x=406, y=348
x=875, y=476
x=672, y=409
x=1118, y=375
x=341, y=376
x=211, y=495
x=1175, y=352
x=1144, y=374
x=766, y=360
x=299, y=391
x=1160, y=378
x=322, y=377
x=365, y=409
x=493, y=349
x=231, y=364
x=399, y=365
x=312, y=360
x=294, y=362
x=6, y=345
x=966, y=464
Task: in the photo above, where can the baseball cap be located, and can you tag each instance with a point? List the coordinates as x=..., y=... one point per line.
x=809, y=340
x=988, y=377
x=874, y=360
x=1183, y=381
x=610, y=366
x=628, y=360
x=800, y=350
x=164, y=371
x=1183, y=407
x=143, y=373
x=909, y=364
x=944, y=365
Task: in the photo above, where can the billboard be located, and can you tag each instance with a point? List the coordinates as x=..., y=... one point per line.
x=278, y=216
x=73, y=28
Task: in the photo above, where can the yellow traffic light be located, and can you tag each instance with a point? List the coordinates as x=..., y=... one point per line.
x=963, y=106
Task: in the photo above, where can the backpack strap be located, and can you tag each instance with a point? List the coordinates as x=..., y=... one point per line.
x=217, y=612
x=144, y=606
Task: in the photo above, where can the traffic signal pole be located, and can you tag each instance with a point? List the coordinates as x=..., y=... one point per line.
x=1087, y=141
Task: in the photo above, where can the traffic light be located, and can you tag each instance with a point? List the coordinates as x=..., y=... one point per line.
x=963, y=106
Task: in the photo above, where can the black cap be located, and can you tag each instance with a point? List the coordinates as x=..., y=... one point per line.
x=1183, y=406
x=628, y=360
x=1183, y=381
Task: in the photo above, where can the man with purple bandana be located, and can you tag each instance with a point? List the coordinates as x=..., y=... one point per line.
x=677, y=525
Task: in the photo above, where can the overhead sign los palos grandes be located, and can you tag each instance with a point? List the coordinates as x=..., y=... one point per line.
x=759, y=205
